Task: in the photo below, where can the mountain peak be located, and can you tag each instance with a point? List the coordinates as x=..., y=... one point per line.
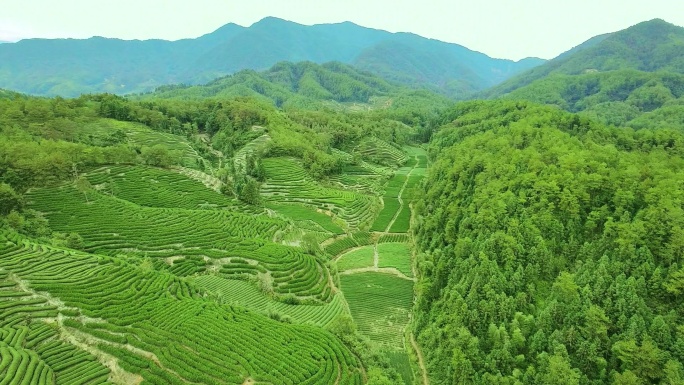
x=273, y=21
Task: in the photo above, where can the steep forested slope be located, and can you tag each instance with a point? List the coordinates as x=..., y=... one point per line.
x=623, y=97
x=306, y=85
x=648, y=46
x=552, y=250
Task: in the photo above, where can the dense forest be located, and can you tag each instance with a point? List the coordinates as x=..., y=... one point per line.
x=551, y=250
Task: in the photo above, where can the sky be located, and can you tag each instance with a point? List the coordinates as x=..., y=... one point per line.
x=509, y=29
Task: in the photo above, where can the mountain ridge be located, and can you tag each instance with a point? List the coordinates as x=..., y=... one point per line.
x=68, y=67
x=647, y=46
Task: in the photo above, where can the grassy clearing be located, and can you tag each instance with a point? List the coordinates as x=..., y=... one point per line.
x=397, y=255
x=355, y=259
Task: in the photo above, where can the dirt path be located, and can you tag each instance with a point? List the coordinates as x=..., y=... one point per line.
x=421, y=360
x=401, y=192
x=385, y=270
x=347, y=251
x=376, y=256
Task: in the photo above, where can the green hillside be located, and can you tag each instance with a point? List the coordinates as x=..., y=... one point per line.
x=226, y=213
x=307, y=85
x=551, y=249
x=649, y=46
x=323, y=224
x=631, y=98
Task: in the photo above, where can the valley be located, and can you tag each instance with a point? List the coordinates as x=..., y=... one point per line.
x=349, y=222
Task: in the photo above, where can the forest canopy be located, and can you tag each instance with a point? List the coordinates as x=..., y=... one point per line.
x=552, y=250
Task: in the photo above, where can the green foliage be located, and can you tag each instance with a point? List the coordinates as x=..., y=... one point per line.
x=9, y=199
x=249, y=193
x=158, y=156
x=550, y=241
x=621, y=97
x=74, y=241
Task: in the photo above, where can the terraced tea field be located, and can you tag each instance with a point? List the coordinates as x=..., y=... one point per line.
x=377, y=280
x=141, y=135
x=241, y=293
x=381, y=152
x=179, y=284
x=395, y=216
x=236, y=244
x=288, y=182
x=153, y=187
x=380, y=304
x=145, y=326
x=356, y=259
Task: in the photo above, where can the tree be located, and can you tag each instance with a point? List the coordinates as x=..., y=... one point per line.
x=250, y=192
x=310, y=244
x=83, y=185
x=342, y=326
x=560, y=372
x=9, y=199
x=227, y=188
x=74, y=241
x=157, y=155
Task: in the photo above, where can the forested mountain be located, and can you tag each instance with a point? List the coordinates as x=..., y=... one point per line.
x=68, y=67
x=311, y=86
x=631, y=98
x=649, y=46
x=551, y=250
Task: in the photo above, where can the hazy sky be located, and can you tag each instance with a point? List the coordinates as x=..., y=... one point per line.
x=510, y=29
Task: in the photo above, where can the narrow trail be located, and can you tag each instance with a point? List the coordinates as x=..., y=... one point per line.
x=421, y=360
x=374, y=269
x=376, y=256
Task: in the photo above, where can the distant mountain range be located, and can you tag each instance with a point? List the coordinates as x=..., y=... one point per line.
x=69, y=67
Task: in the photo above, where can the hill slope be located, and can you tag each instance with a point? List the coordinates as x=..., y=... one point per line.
x=307, y=85
x=550, y=250
x=68, y=67
x=649, y=46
